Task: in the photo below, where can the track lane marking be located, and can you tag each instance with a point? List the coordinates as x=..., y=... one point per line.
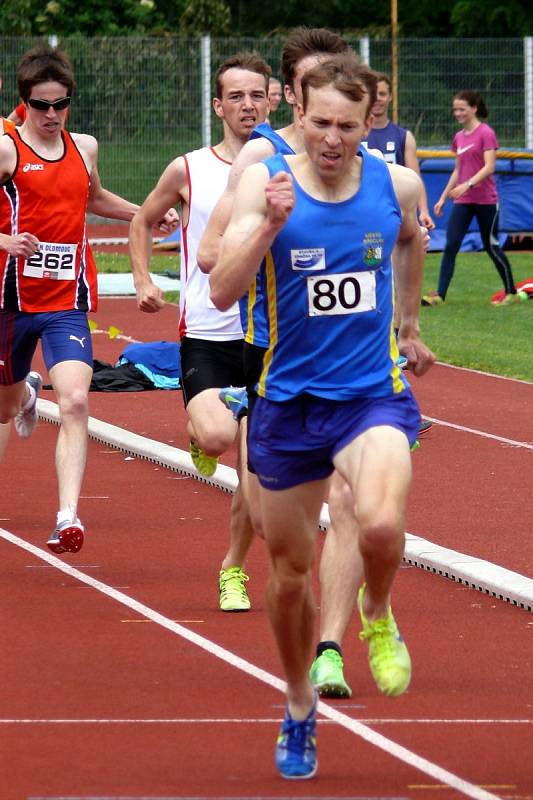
x=359, y=729
x=250, y=721
x=483, y=434
x=485, y=374
x=473, y=572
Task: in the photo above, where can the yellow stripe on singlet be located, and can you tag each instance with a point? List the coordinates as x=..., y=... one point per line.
x=272, y=321
x=252, y=296
x=397, y=383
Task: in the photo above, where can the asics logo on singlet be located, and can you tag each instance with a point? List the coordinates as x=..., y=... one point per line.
x=32, y=167
x=461, y=150
x=312, y=258
x=73, y=338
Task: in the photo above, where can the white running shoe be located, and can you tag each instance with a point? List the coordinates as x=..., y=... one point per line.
x=26, y=419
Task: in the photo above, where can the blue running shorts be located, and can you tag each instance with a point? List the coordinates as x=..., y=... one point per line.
x=64, y=335
x=295, y=441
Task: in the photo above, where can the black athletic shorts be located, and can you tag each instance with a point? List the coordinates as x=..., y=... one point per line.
x=210, y=365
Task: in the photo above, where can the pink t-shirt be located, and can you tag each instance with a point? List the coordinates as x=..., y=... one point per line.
x=469, y=149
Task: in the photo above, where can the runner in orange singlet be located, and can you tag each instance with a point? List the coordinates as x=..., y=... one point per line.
x=48, y=181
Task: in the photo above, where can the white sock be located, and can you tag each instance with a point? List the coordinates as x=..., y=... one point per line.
x=67, y=514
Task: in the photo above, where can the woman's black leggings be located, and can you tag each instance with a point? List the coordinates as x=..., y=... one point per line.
x=458, y=223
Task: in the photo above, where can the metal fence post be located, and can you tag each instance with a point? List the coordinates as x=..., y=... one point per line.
x=364, y=50
x=528, y=89
x=206, y=90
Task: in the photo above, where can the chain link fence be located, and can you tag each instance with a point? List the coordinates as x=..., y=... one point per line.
x=143, y=99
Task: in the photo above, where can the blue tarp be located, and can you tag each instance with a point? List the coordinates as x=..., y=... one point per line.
x=514, y=182
x=175, y=236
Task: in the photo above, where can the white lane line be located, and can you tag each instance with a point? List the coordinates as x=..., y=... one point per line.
x=483, y=434
x=239, y=797
x=253, y=721
x=485, y=374
x=359, y=729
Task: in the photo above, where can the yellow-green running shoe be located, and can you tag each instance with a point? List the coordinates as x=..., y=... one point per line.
x=206, y=465
x=233, y=594
x=388, y=656
x=326, y=675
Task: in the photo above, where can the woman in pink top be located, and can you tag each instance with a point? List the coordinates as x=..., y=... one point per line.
x=472, y=188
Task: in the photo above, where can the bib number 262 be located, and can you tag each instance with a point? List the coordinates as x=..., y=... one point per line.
x=55, y=261
x=341, y=293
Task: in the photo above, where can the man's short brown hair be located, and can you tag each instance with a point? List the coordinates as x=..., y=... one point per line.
x=384, y=78
x=246, y=60
x=304, y=42
x=41, y=64
x=347, y=75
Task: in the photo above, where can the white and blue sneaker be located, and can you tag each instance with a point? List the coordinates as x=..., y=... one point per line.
x=401, y=362
x=296, y=746
x=236, y=399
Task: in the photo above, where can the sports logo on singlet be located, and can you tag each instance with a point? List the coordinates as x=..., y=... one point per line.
x=373, y=249
x=308, y=258
x=55, y=261
x=338, y=293
x=32, y=167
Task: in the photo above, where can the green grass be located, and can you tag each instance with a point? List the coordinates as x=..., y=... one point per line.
x=466, y=331
x=119, y=262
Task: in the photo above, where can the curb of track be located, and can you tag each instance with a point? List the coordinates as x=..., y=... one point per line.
x=484, y=576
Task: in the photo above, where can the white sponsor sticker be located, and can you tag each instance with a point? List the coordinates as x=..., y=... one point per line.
x=308, y=258
x=348, y=293
x=55, y=261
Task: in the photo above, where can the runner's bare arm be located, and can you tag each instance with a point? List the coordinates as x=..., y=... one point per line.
x=8, y=158
x=101, y=201
x=261, y=209
x=170, y=190
x=22, y=244
x=252, y=153
x=411, y=161
x=409, y=269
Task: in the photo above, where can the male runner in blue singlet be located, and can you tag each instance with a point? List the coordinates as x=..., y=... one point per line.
x=331, y=395
x=340, y=562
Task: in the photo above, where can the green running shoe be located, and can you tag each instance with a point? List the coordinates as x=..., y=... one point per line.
x=233, y=594
x=388, y=656
x=206, y=465
x=327, y=677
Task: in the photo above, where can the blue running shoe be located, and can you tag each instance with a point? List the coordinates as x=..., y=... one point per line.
x=296, y=746
x=236, y=399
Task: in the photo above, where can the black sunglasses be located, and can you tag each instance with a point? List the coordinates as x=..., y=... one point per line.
x=44, y=105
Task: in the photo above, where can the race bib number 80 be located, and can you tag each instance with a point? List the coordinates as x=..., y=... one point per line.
x=349, y=293
x=55, y=261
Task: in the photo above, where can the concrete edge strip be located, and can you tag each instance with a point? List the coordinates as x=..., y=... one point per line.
x=484, y=576
x=114, y=240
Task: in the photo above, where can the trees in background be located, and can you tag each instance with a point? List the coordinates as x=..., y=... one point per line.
x=425, y=18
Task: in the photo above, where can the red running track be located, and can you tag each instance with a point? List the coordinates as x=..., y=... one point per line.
x=98, y=701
